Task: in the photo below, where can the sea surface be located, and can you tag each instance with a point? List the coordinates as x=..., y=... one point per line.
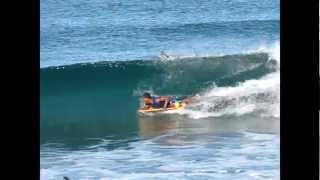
x=97, y=59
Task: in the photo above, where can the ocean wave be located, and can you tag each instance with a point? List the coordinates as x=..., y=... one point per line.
x=260, y=96
x=107, y=94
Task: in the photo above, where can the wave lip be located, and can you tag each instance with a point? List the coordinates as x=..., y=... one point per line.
x=259, y=96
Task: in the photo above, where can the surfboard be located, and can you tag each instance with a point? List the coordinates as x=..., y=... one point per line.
x=177, y=106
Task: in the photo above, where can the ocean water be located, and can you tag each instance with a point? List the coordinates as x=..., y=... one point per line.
x=98, y=57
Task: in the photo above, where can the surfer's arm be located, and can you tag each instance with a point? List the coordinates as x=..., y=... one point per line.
x=166, y=104
x=146, y=106
x=166, y=100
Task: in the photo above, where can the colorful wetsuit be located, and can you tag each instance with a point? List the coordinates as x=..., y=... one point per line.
x=161, y=103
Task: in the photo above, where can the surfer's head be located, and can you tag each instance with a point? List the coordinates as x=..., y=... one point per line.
x=146, y=97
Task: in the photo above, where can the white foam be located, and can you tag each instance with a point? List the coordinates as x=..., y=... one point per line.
x=243, y=97
x=155, y=159
x=273, y=50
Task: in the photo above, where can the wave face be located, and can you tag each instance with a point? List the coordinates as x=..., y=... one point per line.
x=78, y=100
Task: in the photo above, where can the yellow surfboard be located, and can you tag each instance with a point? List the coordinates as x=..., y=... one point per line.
x=176, y=106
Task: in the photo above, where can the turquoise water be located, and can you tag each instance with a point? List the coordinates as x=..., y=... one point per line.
x=98, y=57
x=90, y=31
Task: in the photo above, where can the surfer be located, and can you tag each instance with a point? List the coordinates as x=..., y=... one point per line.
x=157, y=101
x=164, y=101
x=164, y=56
